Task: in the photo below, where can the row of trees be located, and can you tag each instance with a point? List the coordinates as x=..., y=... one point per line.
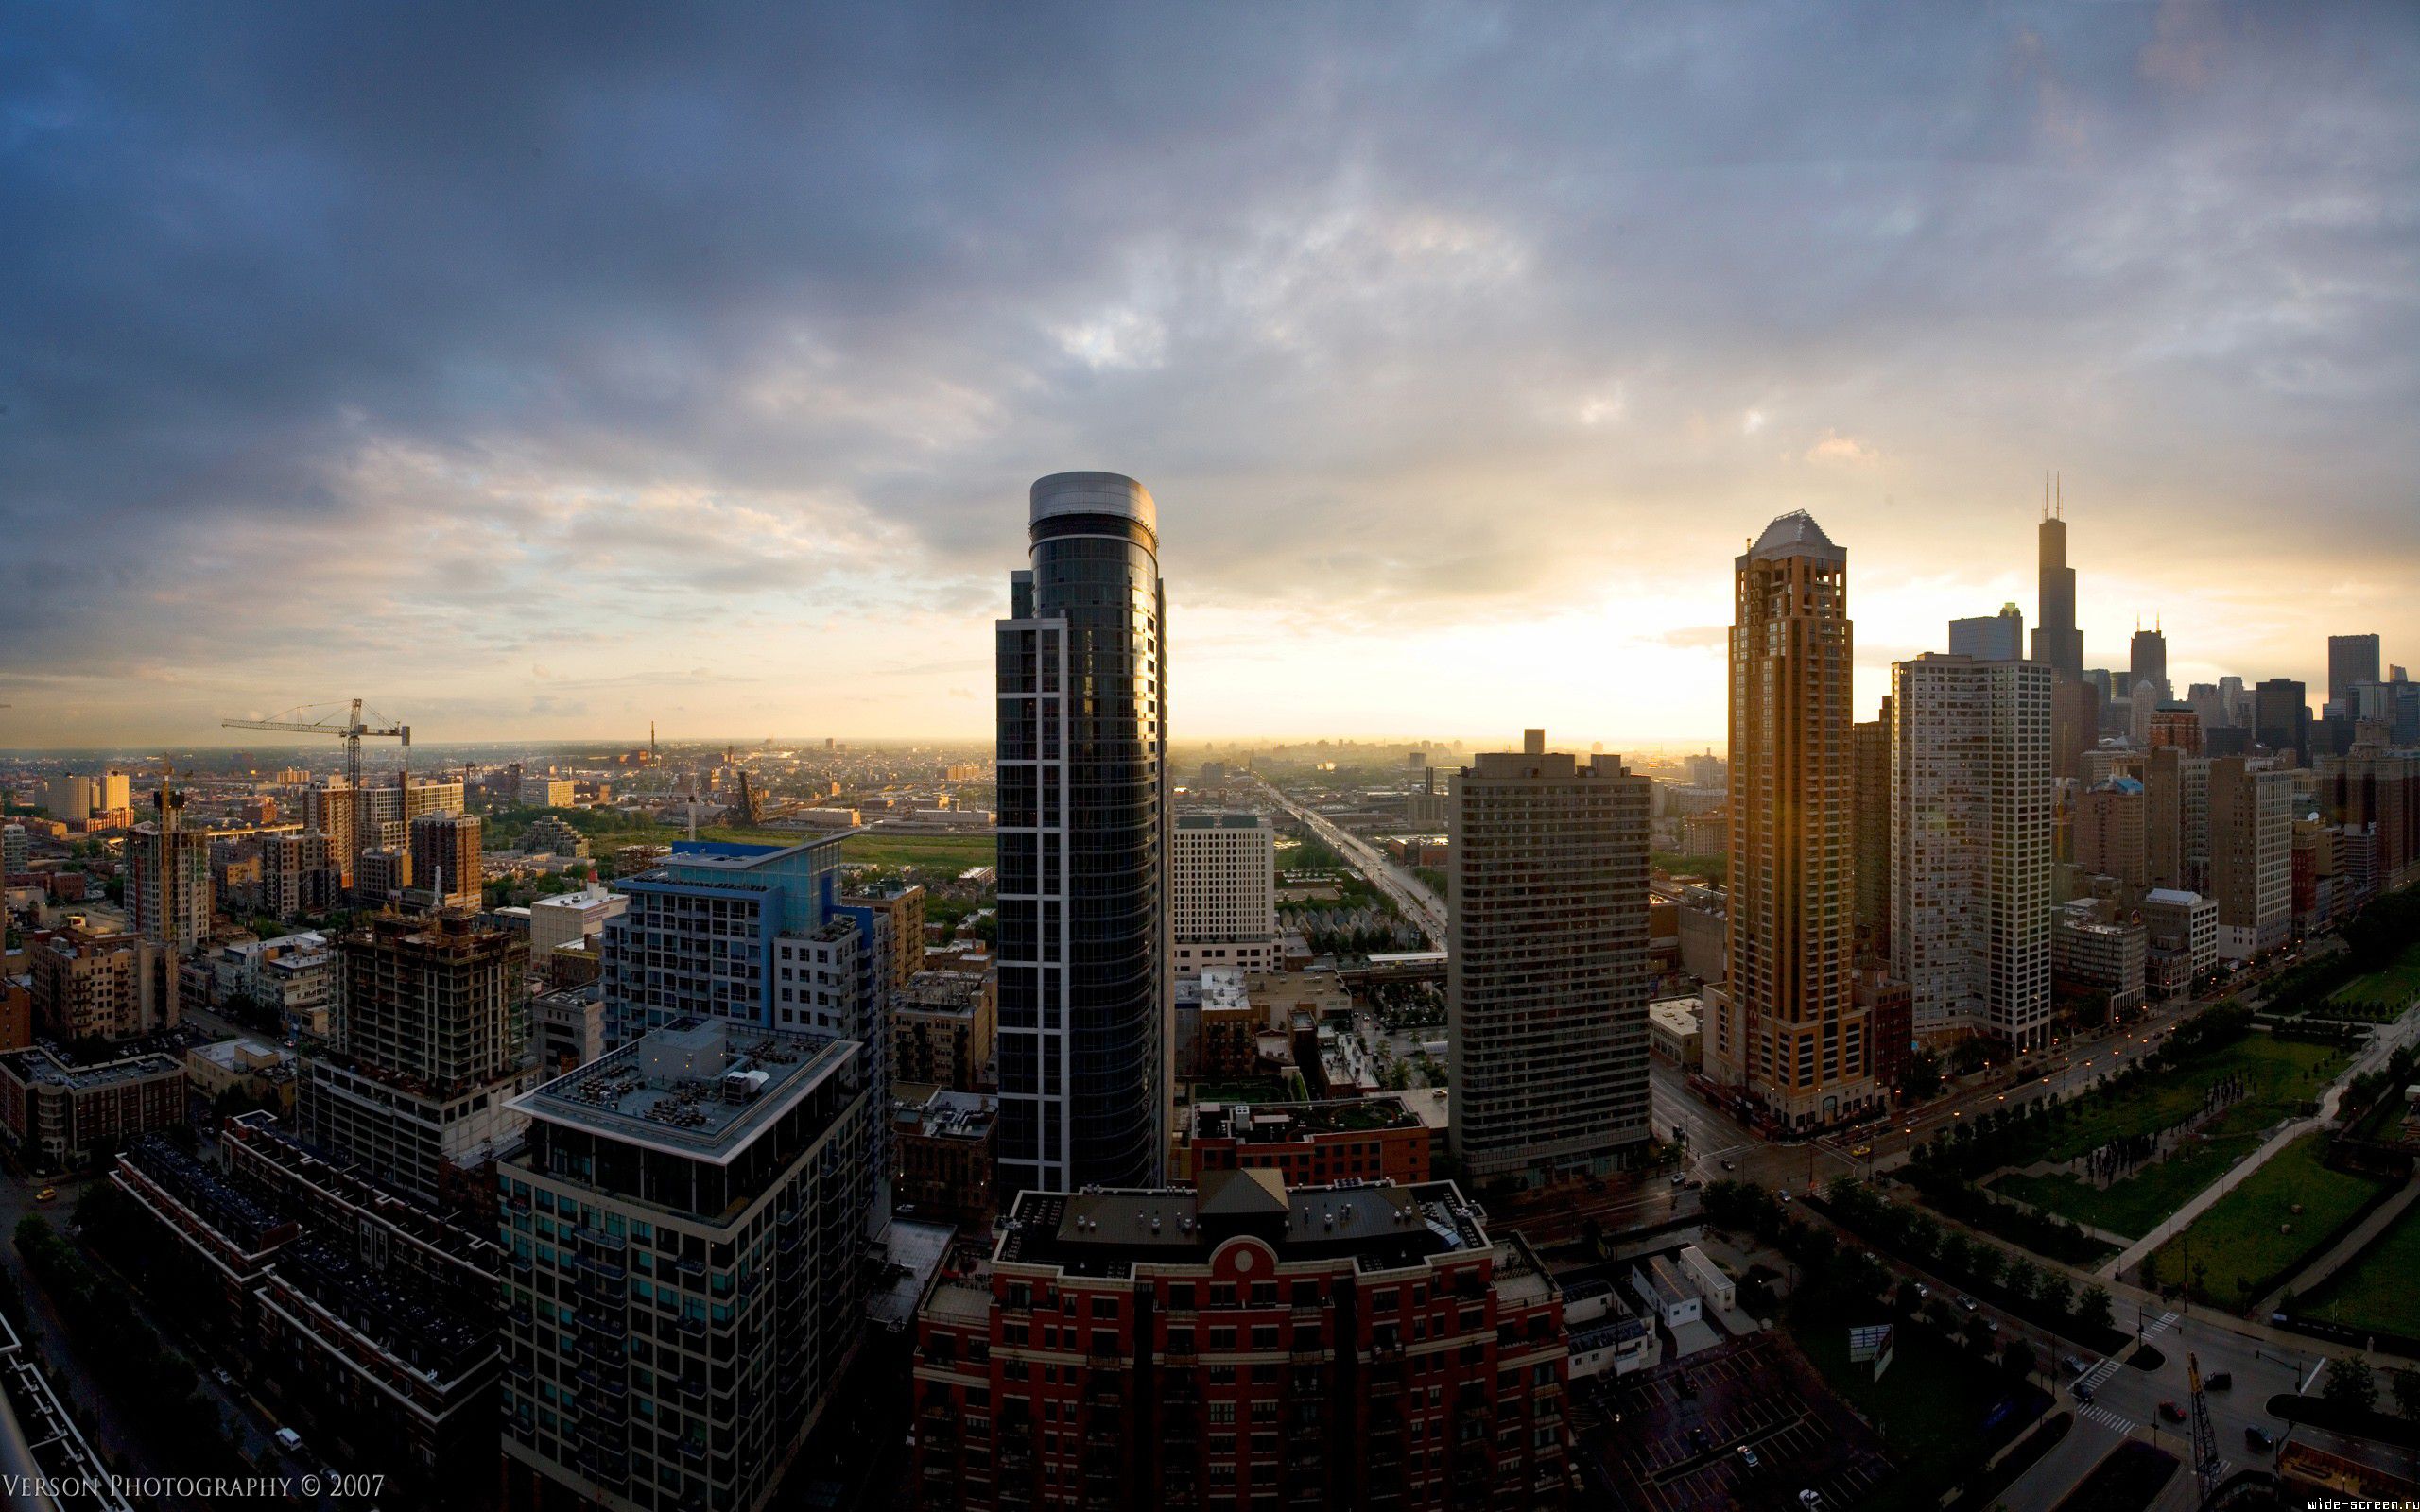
x=2353, y=1384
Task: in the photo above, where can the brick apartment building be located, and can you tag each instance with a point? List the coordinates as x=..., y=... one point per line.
x=1244, y=1346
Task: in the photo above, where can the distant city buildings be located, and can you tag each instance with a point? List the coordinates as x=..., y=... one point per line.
x=2352, y=660
x=1783, y=1030
x=1990, y=638
x=1086, y=990
x=1546, y=979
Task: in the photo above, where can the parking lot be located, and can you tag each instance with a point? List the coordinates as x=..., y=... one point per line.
x=1671, y=1440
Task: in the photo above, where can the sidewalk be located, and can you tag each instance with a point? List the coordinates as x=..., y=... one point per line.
x=2326, y=1265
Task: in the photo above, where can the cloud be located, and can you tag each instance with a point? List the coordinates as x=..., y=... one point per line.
x=669, y=339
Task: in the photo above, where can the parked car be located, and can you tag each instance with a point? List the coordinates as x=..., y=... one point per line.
x=2084, y=1393
x=1862, y=1151
x=1967, y=1303
x=2074, y=1365
x=1728, y=1166
x=1680, y=1178
x=1991, y=1325
x=1924, y=1293
x=2171, y=1412
x=288, y=1440
x=2260, y=1438
x=1783, y=1192
x=2219, y=1380
x=1811, y=1499
x=1748, y=1457
x=46, y=1194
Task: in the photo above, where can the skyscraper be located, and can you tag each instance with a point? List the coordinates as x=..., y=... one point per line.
x=2056, y=640
x=1785, y=1029
x=1870, y=821
x=2281, y=718
x=2351, y=659
x=2147, y=661
x=1546, y=984
x=1990, y=637
x=1223, y=892
x=1087, y=996
x=1970, y=846
x=446, y=857
x=2251, y=860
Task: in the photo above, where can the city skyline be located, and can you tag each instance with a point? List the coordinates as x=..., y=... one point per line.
x=1429, y=389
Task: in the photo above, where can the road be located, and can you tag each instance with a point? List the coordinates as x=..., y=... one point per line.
x=1422, y=906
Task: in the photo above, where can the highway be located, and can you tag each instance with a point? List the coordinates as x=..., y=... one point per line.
x=1422, y=907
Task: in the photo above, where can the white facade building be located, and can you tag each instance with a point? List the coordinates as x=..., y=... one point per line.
x=1223, y=892
x=568, y=918
x=1970, y=846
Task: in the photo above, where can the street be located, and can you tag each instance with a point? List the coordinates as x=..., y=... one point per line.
x=1426, y=910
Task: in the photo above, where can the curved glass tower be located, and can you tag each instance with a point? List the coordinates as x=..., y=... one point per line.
x=1085, y=1004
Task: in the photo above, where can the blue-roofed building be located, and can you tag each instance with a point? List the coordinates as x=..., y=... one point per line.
x=754, y=935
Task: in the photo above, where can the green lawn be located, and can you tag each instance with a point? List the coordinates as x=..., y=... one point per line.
x=2376, y=1290
x=2283, y=1074
x=2251, y=1236
x=949, y=852
x=2135, y=1206
x=2386, y=991
x=1930, y=1406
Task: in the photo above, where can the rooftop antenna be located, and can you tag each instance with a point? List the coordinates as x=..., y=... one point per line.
x=2061, y=481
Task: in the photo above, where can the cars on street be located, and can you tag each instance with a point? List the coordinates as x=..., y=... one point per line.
x=2171, y=1412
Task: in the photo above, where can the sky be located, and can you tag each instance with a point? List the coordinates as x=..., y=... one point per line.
x=534, y=372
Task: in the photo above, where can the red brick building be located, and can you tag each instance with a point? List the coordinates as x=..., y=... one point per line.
x=1366, y=1139
x=1246, y=1347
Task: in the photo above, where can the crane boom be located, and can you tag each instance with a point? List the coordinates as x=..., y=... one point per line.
x=347, y=726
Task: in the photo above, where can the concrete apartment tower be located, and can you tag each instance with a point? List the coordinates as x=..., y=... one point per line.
x=1546, y=980
x=1086, y=993
x=169, y=888
x=1783, y=1029
x=1970, y=846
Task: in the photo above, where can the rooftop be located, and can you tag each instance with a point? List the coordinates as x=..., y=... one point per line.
x=1106, y=1233
x=703, y=1088
x=43, y=1065
x=1263, y=1123
x=1795, y=534
x=1221, y=821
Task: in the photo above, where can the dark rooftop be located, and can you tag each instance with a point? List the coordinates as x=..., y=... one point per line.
x=1107, y=1232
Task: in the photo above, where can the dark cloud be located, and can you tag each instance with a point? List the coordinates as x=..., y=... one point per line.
x=465, y=329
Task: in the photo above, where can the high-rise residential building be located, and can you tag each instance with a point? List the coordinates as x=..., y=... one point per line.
x=1870, y=819
x=101, y=987
x=686, y=1281
x=2281, y=718
x=1546, y=980
x=1244, y=1343
x=16, y=852
x=1223, y=892
x=2252, y=863
x=943, y=1028
x=2147, y=661
x=1087, y=997
x=1990, y=638
x=68, y=798
x=2110, y=824
x=1970, y=846
x=446, y=852
x=1785, y=1029
x=169, y=886
x=2057, y=642
x=354, y=823
x=2376, y=789
x=298, y=874
x=429, y=1047
x=2173, y=725
x=381, y=875
x=903, y=904
x=2176, y=819
x=2351, y=659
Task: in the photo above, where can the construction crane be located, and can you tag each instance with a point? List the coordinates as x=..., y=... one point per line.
x=347, y=726
x=2206, y=1464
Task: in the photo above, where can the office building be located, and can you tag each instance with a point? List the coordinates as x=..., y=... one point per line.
x=1990, y=638
x=1970, y=846
x=381, y=875
x=570, y=919
x=68, y=798
x=1546, y=980
x=947, y=1157
x=16, y=852
x=1869, y=816
x=2057, y=642
x=2374, y=788
x=538, y=792
x=685, y=1284
x=1783, y=1030
x=2109, y=833
x=2092, y=957
x=2351, y=659
x=2147, y=661
x=169, y=890
x=2176, y=819
x=430, y=1044
x=1087, y=997
x=446, y=863
x=1223, y=892
x=2281, y=718
x=2182, y=938
x=89, y=987
x=2252, y=832
x=1244, y=1343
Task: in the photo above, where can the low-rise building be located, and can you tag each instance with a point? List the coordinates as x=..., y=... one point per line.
x=262, y=1074
x=1355, y=1345
x=1664, y=1292
x=943, y=1025
x=567, y=1028
x=945, y=1153
x=91, y=986
x=1675, y=1031
x=2094, y=957
x=2182, y=940
x=1353, y=1139
x=63, y=1115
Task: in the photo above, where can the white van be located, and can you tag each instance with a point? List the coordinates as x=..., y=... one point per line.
x=290, y=1441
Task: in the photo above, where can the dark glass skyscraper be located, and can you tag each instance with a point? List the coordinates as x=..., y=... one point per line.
x=2056, y=640
x=1085, y=1002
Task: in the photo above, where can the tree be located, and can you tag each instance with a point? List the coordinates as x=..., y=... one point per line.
x=1984, y=1264
x=2350, y=1385
x=2058, y=1294
x=1923, y=1077
x=2023, y=1279
x=2092, y=1308
x=2017, y=1358
x=2407, y=1390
